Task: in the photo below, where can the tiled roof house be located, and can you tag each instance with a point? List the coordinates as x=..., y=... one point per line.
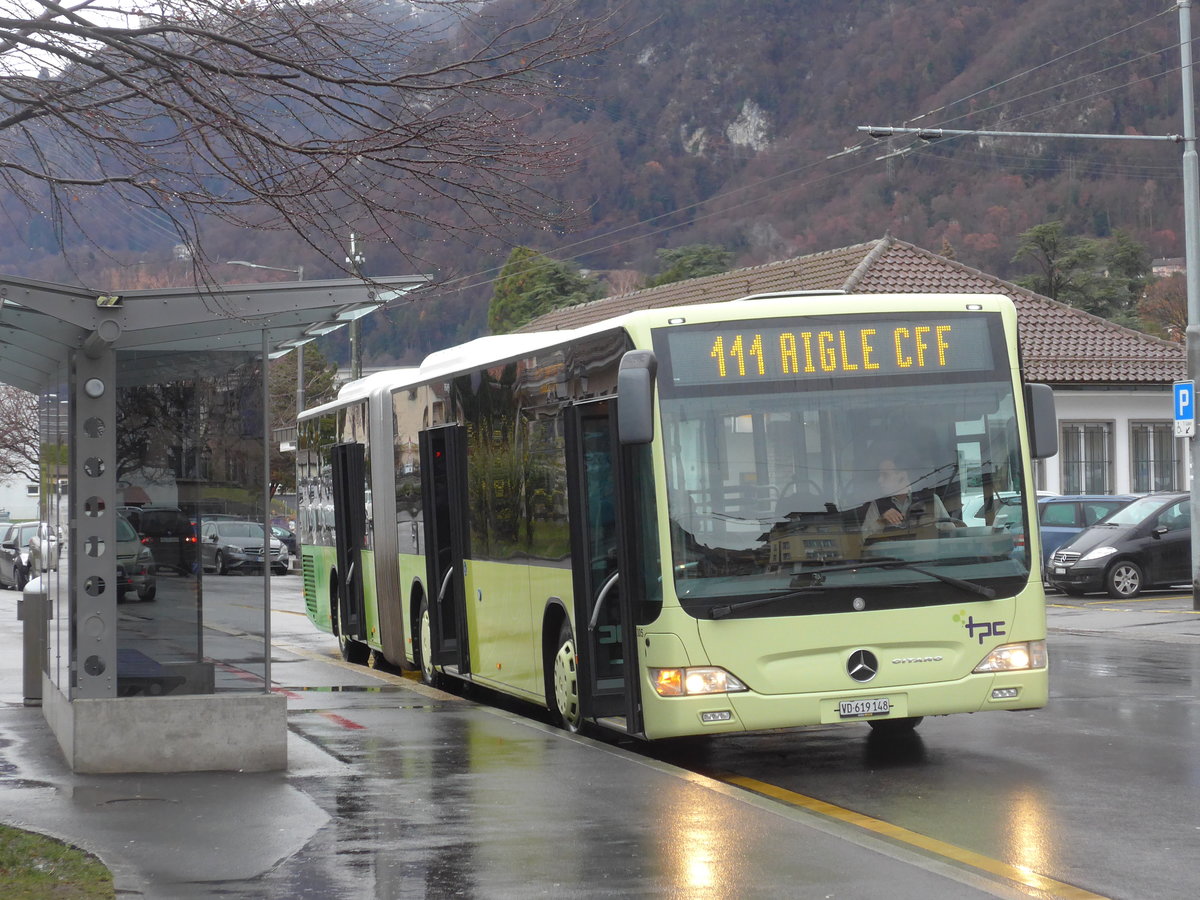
x=1112, y=384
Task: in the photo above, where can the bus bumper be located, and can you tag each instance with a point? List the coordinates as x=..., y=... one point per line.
x=745, y=712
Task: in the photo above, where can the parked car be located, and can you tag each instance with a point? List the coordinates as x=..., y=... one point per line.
x=45, y=547
x=288, y=538
x=135, y=564
x=1061, y=518
x=1145, y=544
x=975, y=508
x=169, y=534
x=14, y=554
x=226, y=545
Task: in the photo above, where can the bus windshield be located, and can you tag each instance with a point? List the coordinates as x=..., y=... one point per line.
x=835, y=493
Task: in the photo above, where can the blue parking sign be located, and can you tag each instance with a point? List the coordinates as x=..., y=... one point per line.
x=1185, y=408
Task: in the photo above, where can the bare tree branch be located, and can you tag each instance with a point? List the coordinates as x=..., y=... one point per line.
x=20, y=442
x=315, y=116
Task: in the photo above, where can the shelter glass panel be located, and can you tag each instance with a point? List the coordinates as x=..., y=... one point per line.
x=191, y=551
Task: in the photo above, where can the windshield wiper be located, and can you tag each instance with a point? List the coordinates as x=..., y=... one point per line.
x=887, y=562
x=721, y=612
x=896, y=563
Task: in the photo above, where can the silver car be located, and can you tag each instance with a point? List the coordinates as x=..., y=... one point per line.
x=226, y=545
x=135, y=564
x=45, y=547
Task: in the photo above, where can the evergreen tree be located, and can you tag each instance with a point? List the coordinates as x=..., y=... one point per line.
x=531, y=285
x=1103, y=277
x=693, y=261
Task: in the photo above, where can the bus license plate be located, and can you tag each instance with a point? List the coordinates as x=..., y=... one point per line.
x=857, y=709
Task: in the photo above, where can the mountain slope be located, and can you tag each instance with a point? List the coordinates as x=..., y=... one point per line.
x=713, y=121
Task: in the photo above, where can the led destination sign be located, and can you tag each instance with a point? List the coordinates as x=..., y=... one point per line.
x=851, y=346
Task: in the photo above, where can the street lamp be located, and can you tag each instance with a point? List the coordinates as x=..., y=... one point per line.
x=299, y=273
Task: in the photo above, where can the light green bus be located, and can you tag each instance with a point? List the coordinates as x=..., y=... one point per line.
x=697, y=520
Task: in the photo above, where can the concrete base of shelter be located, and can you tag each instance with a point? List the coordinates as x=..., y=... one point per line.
x=178, y=733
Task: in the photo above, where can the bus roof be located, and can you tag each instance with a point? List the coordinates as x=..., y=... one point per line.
x=363, y=387
x=499, y=348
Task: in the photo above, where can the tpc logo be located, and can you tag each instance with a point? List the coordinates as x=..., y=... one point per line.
x=981, y=630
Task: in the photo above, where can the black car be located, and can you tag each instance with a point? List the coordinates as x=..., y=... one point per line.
x=1061, y=518
x=169, y=534
x=1146, y=544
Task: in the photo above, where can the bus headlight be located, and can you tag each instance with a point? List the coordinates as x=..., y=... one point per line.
x=1015, y=657
x=694, y=681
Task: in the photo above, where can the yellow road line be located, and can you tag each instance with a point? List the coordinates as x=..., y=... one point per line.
x=1017, y=874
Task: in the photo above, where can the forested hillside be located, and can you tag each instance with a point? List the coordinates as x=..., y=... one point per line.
x=721, y=122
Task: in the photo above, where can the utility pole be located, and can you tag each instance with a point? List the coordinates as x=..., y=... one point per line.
x=1191, y=253
x=355, y=260
x=1191, y=227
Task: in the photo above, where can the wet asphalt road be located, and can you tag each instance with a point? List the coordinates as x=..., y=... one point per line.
x=1100, y=791
x=395, y=790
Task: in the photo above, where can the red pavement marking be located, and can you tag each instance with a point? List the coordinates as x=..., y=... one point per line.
x=292, y=695
x=343, y=721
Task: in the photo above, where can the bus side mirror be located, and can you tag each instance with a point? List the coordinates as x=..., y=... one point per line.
x=1043, y=421
x=635, y=397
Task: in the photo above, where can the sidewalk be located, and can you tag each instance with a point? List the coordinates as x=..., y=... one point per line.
x=395, y=790
x=1159, y=616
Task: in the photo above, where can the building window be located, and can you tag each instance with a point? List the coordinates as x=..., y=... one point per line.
x=1154, y=455
x=1086, y=455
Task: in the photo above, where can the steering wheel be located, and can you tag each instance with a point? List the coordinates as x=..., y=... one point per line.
x=793, y=487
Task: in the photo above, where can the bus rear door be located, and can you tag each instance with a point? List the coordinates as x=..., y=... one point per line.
x=443, y=460
x=349, y=522
x=604, y=629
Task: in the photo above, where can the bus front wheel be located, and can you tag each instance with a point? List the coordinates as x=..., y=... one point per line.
x=565, y=703
x=894, y=727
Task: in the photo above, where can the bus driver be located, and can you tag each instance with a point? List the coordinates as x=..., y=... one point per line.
x=898, y=506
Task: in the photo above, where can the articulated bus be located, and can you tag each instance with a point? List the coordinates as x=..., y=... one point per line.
x=697, y=520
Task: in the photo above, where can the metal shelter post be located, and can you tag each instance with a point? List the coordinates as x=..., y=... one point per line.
x=92, y=516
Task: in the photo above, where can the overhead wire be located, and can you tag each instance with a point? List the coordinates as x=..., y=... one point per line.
x=585, y=246
x=1060, y=58
x=594, y=243
x=916, y=144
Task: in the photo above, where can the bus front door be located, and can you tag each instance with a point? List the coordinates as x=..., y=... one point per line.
x=350, y=524
x=443, y=460
x=604, y=629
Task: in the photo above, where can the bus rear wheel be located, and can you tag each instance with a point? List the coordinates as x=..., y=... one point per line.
x=565, y=680
x=352, y=651
x=429, y=675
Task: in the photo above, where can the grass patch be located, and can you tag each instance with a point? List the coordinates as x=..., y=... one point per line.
x=33, y=867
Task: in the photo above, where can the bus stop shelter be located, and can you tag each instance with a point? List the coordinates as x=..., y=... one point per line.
x=158, y=399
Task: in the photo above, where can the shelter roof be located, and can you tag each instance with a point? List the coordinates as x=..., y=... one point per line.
x=42, y=322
